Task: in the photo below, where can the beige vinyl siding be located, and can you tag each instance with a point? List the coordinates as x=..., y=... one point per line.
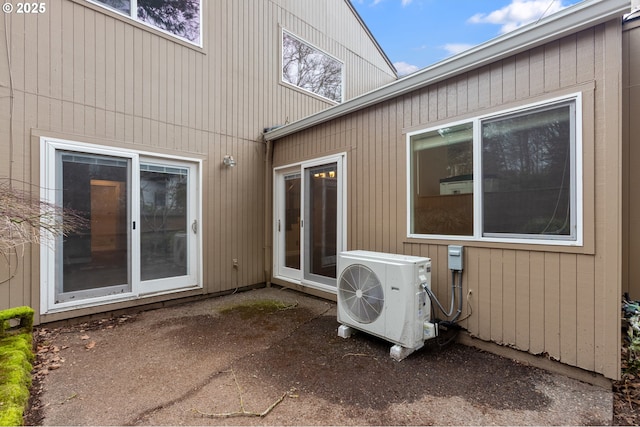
x=82, y=73
x=631, y=157
x=321, y=23
x=559, y=301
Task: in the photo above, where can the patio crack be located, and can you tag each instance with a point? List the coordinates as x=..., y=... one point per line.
x=144, y=415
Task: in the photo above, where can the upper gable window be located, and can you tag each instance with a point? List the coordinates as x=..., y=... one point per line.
x=311, y=69
x=181, y=18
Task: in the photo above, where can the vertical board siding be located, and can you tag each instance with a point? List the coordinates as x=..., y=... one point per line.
x=496, y=299
x=568, y=308
x=522, y=294
x=631, y=130
x=509, y=288
x=552, y=304
x=483, y=287
x=586, y=305
x=542, y=301
x=86, y=74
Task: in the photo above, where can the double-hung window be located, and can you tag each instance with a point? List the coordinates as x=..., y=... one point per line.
x=514, y=176
x=180, y=18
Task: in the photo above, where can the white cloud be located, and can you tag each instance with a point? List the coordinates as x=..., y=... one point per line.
x=518, y=13
x=376, y=2
x=404, y=68
x=455, y=48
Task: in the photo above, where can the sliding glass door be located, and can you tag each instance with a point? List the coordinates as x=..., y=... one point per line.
x=141, y=232
x=308, y=222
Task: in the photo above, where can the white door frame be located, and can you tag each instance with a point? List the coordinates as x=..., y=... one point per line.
x=280, y=271
x=49, y=270
x=280, y=268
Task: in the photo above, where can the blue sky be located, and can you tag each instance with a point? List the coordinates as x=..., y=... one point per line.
x=417, y=33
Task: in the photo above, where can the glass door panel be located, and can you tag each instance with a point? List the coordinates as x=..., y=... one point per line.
x=292, y=236
x=321, y=226
x=96, y=261
x=164, y=248
x=308, y=233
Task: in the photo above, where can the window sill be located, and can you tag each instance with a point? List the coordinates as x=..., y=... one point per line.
x=543, y=246
x=328, y=101
x=91, y=303
x=147, y=28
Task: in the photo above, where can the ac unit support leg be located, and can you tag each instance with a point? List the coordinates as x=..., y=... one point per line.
x=345, y=331
x=399, y=352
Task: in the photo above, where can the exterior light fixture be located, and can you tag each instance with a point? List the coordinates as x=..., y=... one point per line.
x=229, y=161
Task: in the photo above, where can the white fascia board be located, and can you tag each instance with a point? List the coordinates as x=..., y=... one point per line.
x=568, y=21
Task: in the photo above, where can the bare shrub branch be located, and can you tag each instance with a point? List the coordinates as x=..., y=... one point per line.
x=243, y=412
x=23, y=217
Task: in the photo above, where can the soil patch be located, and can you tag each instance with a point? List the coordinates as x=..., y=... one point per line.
x=358, y=372
x=253, y=322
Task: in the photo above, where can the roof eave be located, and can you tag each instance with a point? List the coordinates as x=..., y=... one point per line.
x=568, y=21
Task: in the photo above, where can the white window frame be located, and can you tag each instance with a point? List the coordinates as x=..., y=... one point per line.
x=49, y=147
x=576, y=239
x=133, y=15
x=311, y=45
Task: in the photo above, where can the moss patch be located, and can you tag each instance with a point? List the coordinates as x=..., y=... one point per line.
x=249, y=309
x=16, y=356
x=21, y=316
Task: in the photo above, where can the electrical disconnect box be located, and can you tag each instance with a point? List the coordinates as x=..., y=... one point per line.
x=456, y=257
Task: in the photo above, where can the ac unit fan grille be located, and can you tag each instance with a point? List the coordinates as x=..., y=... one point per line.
x=361, y=293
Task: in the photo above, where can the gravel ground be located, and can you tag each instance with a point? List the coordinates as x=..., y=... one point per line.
x=273, y=357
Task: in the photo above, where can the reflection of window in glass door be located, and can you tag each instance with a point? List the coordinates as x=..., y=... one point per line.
x=292, y=221
x=163, y=221
x=108, y=215
x=320, y=231
x=309, y=215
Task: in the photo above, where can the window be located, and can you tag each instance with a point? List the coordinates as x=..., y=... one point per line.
x=443, y=181
x=142, y=214
x=181, y=18
x=309, y=68
x=511, y=176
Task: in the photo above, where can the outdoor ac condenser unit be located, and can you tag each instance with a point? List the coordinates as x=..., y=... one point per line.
x=384, y=295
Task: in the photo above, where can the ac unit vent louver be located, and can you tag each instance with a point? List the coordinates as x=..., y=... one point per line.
x=361, y=292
